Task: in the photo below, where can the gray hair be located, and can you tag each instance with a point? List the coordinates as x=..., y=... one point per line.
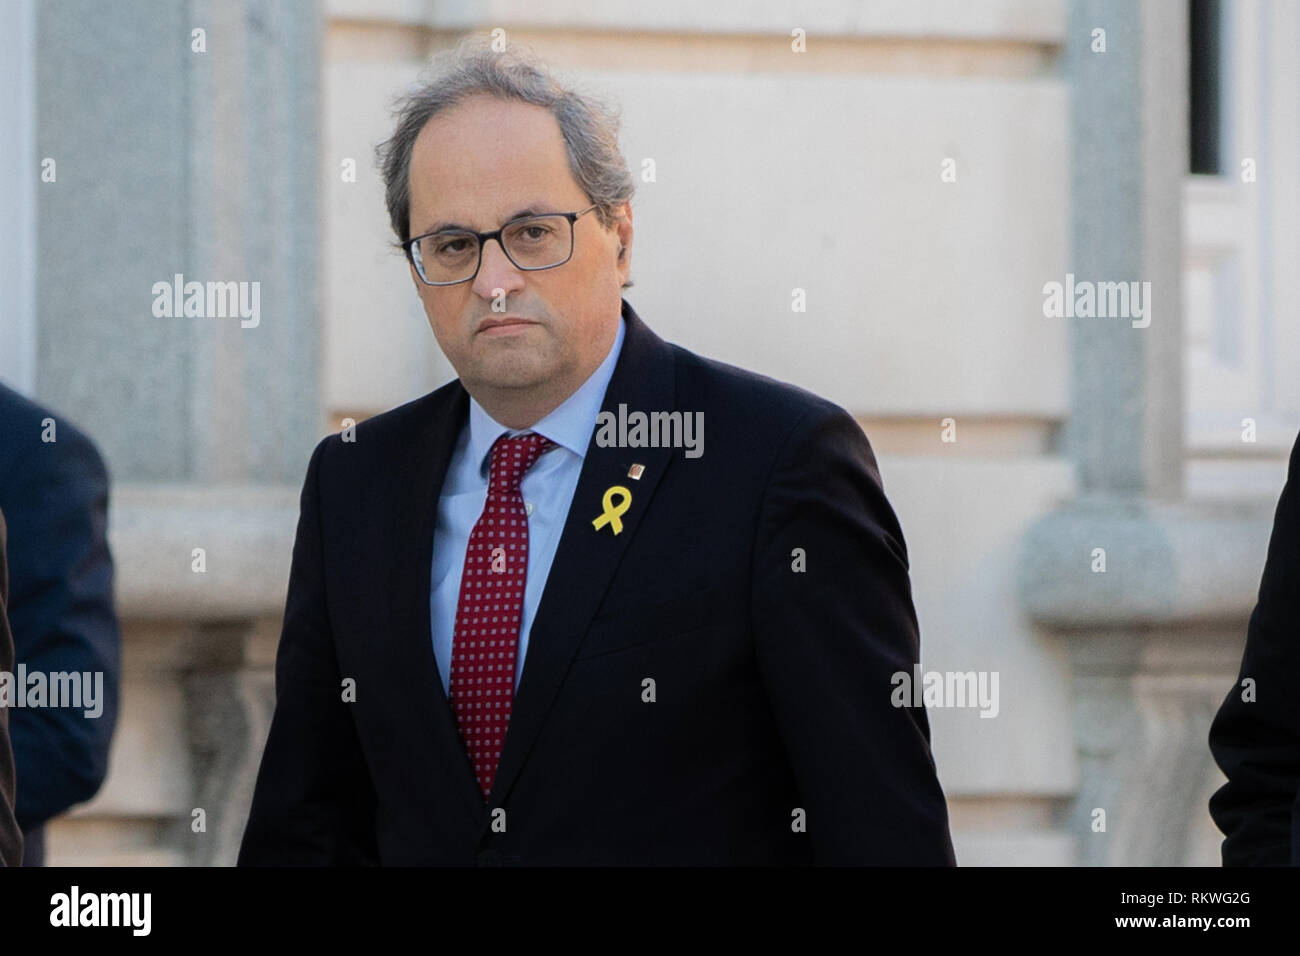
x=589, y=126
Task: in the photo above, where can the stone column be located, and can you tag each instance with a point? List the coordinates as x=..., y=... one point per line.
x=1145, y=588
x=1128, y=159
x=170, y=160
x=186, y=142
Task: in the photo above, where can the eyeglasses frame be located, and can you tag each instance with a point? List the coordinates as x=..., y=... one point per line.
x=483, y=237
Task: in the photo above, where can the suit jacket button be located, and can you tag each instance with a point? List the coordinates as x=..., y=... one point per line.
x=489, y=858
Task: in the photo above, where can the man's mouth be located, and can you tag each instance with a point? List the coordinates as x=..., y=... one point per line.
x=505, y=323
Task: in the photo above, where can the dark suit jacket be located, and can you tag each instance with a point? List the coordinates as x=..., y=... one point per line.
x=11, y=838
x=55, y=496
x=772, y=687
x=1257, y=743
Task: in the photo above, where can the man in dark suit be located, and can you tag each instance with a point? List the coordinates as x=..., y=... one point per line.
x=11, y=837
x=1255, y=738
x=54, y=490
x=516, y=632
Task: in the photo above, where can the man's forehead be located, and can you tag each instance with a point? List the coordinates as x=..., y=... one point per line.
x=485, y=161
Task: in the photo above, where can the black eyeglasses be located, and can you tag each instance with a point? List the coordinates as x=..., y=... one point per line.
x=530, y=242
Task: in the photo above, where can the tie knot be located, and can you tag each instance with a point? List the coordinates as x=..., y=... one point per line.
x=511, y=459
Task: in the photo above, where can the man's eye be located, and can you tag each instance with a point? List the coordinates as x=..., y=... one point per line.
x=534, y=232
x=450, y=247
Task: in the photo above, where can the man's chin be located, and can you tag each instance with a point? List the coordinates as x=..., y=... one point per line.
x=513, y=376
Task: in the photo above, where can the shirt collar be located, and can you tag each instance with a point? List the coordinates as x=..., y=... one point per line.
x=569, y=425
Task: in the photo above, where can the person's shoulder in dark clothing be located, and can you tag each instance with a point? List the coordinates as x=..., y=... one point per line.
x=1255, y=738
x=54, y=491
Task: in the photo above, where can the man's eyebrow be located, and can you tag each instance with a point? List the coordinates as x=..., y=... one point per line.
x=536, y=209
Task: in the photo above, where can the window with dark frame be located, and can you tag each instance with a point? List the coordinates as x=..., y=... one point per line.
x=1204, y=77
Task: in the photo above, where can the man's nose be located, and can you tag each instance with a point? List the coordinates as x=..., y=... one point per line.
x=496, y=271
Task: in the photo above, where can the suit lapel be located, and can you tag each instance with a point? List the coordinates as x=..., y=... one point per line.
x=419, y=481
x=587, y=558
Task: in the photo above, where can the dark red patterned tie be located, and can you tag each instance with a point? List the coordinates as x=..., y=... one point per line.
x=490, y=606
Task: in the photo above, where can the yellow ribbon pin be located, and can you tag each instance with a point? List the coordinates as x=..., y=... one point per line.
x=610, y=512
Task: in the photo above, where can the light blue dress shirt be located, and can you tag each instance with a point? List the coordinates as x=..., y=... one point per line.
x=547, y=489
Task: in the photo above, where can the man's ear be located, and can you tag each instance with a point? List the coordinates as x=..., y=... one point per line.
x=623, y=226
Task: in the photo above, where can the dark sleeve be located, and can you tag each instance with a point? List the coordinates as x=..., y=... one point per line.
x=1257, y=743
x=313, y=804
x=829, y=640
x=63, y=618
x=11, y=839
